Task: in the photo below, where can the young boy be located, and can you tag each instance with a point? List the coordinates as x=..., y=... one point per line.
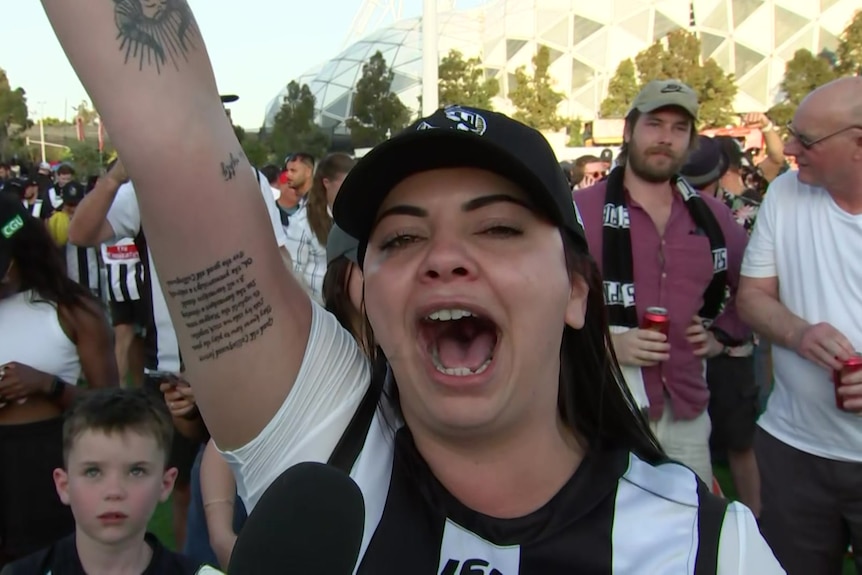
x=115, y=450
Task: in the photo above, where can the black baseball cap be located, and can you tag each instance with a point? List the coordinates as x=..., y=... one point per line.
x=607, y=156
x=339, y=244
x=706, y=164
x=13, y=218
x=16, y=187
x=72, y=193
x=457, y=137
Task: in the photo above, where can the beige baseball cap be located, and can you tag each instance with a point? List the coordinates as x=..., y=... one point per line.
x=663, y=93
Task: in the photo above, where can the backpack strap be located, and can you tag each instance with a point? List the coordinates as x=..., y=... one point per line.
x=710, y=518
x=347, y=450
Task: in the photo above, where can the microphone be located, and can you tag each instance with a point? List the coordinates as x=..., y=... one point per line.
x=310, y=521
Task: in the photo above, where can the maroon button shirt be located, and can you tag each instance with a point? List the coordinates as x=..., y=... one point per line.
x=673, y=272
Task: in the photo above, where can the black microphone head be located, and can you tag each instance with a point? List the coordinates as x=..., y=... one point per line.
x=309, y=521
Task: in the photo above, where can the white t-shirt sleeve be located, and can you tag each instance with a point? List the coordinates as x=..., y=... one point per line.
x=329, y=387
x=124, y=216
x=742, y=549
x=760, y=260
x=274, y=218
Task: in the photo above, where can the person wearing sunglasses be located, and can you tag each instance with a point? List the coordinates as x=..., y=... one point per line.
x=801, y=289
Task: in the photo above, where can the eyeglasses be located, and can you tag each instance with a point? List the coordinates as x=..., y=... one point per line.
x=809, y=143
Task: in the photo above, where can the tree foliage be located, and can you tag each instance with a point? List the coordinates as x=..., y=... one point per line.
x=377, y=111
x=13, y=114
x=802, y=74
x=534, y=97
x=86, y=158
x=806, y=72
x=622, y=90
x=849, y=51
x=293, y=129
x=87, y=114
x=678, y=56
x=575, y=131
x=462, y=82
x=51, y=121
x=257, y=152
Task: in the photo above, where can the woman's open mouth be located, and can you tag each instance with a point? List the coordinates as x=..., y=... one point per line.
x=460, y=342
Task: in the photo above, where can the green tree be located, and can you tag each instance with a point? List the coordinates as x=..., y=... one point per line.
x=86, y=113
x=256, y=150
x=678, y=56
x=534, y=97
x=575, y=130
x=293, y=129
x=86, y=158
x=802, y=74
x=376, y=110
x=849, y=50
x=622, y=90
x=50, y=121
x=13, y=115
x=463, y=82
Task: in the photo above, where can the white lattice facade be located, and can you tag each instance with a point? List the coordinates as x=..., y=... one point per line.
x=587, y=39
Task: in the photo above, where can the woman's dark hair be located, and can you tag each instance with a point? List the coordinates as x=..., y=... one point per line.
x=329, y=168
x=594, y=399
x=41, y=267
x=336, y=298
x=629, y=128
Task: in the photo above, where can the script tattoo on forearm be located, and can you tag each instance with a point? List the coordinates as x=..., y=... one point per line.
x=221, y=306
x=155, y=32
x=228, y=169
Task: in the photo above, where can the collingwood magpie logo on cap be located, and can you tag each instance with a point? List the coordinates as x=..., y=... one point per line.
x=460, y=118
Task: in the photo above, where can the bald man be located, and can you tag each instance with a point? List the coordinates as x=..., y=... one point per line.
x=801, y=288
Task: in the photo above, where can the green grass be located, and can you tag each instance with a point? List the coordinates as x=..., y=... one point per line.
x=161, y=526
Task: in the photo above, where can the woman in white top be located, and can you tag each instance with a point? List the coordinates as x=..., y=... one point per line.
x=505, y=440
x=52, y=331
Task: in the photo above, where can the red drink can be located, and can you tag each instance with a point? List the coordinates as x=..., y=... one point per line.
x=851, y=365
x=655, y=319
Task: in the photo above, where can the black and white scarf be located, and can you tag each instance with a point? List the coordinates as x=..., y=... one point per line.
x=617, y=262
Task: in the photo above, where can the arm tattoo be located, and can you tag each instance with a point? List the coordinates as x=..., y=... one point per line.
x=221, y=306
x=154, y=32
x=228, y=169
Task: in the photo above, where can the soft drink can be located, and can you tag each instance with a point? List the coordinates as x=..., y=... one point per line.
x=655, y=319
x=851, y=365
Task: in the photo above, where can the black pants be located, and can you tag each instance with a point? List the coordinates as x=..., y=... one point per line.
x=812, y=507
x=733, y=402
x=31, y=513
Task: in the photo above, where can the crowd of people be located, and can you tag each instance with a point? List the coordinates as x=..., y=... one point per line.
x=456, y=321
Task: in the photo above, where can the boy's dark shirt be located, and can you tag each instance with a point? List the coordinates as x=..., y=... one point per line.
x=62, y=559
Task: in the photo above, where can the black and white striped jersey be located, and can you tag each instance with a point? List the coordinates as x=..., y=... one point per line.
x=162, y=348
x=39, y=209
x=84, y=267
x=616, y=515
x=125, y=270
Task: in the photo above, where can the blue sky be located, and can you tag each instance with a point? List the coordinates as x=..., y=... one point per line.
x=256, y=46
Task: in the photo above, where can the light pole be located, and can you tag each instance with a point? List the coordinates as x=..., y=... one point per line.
x=429, y=57
x=42, y=129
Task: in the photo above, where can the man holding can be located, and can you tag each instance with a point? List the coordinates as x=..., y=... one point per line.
x=802, y=289
x=666, y=250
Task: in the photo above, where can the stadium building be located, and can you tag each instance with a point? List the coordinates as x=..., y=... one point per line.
x=587, y=39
